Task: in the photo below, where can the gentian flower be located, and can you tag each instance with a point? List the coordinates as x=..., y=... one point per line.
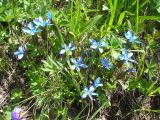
x=68, y=48
x=89, y=92
x=18, y=114
x=97, y=82
x=32, y=29
x=98, y=45
x=131, y=38
x=106, y=64
x=40, y=22
x=77, y=64
x=49, y=16
x=127, y=57
x=20, y=52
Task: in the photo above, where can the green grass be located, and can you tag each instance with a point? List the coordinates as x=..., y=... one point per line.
x=43, y=82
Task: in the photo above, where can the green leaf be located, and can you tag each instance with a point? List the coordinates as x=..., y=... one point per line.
x=156, y=18
x=121, y=17
x=155, y=91
x=151, y=87
x=115, y=54
x=90, y=24
x=8, y=113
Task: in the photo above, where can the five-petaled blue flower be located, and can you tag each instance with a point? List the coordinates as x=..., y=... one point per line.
x=98, y=45
x=68, y=48
x=127, y=57
x=77, y=64
x=32, y=29
x=20, y=52
x=49, y=16
x=40, y=22
x=89, y=92
x=131, y=38
x=106, y=64
x=97, y=82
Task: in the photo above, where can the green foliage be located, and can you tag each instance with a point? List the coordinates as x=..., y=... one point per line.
x=53, y=89
x=16, y=94
x=8, y=114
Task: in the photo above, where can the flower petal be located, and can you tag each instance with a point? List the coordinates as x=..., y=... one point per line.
x=26, y=31
x=21, y=48
x=30, y=25
x=83, y=65
x=97, y=82
x=62, y=51
x=73, y=60
x=92, y=88
x=73, y=67
x=128, y=35
x=121, y=57
x=84, y=95
x=130, y=55
x=49, y=15
x=133, y=61
x=17, y=52
x=80, y=59
x=92, y=41
x=94, y=44
x=103, y=44
x=100, y=50
x=72, y=48
x=86, y=89
x=37, y=22
x=94, y=94
x=70, y=44
x=20, y=56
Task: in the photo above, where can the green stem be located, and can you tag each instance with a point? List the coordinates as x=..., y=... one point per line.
x=137, y=19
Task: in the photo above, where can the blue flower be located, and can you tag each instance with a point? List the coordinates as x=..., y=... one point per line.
x=106, y=64
x=127, y=57
x=131, y=38
x=32, y=29
x=18, y=114
x=68, y=48
x=77, y=64
x=40, y=22
x=98, y=45
x=97, y=82
x=89, y=92
x=20, y=52
x=49, y=16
